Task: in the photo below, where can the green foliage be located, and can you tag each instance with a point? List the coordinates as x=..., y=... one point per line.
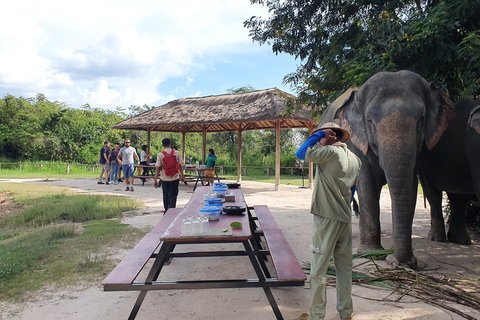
x=38, y=130
x=341, y=44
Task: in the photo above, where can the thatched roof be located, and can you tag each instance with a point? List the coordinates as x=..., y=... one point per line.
x=254, y=110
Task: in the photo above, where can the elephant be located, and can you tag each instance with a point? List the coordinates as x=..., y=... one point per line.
x=391, y=117
x=453, y=166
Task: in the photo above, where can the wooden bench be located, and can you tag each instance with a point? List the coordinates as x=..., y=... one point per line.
x=283, y=259
x=128, y=269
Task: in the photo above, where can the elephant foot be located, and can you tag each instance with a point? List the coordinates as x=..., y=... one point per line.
x=436, y=234
x=412, y=264
x=460, y=236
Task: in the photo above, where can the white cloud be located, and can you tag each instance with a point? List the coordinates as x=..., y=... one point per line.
x=114, y=52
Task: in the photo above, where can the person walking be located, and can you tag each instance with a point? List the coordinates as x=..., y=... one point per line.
x=169, y=166
x=114, y=164
x=127, y=155
x=103, y=162
x=335, y=178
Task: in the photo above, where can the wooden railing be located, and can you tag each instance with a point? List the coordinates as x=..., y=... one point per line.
x=40, y=165
x=269, y=170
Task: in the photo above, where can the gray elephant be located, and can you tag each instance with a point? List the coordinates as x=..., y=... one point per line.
x=391, y=117
x=453, y=165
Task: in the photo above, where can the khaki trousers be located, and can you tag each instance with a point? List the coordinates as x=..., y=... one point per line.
x=331, y=238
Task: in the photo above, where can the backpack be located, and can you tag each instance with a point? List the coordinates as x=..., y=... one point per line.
x=170, y=163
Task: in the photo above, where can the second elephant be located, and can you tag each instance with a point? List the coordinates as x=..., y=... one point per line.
x=453, y=166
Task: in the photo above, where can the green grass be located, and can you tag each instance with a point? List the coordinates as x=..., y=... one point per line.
x=49, y=236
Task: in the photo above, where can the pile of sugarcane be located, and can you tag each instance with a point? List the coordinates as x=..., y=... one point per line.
x=441, y=291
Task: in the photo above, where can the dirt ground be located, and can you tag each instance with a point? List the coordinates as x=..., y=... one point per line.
x=290, y=206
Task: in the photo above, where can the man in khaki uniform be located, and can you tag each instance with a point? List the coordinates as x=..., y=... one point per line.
x=335, y=178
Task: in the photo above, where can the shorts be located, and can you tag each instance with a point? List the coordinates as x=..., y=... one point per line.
x=128, y=170
x=105, y=167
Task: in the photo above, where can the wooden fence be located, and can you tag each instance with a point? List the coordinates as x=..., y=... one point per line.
x=269, y=170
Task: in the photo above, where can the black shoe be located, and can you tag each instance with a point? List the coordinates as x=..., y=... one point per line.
x=120, y=180
x=100, y=182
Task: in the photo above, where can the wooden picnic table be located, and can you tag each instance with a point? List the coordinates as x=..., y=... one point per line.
x=200, y=175
x=260, y=236
x=148, y=172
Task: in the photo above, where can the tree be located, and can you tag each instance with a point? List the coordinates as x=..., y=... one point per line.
x=342, y=43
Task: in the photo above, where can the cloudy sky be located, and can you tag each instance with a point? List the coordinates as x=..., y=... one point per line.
x=110, y=53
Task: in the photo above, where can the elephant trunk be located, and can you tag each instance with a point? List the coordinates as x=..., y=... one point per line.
x=398, y=162
x=403, y=194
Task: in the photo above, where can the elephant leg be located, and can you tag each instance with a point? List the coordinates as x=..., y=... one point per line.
x=369, y=201
x=457, y=231
x=437, y=226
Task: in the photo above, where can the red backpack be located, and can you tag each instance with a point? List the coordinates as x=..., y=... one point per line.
x=170, y=163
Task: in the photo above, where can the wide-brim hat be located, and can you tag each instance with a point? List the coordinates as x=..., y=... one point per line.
x=333, y=126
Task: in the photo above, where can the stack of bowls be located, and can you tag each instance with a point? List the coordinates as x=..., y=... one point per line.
x=220, y=191
x=211, y=212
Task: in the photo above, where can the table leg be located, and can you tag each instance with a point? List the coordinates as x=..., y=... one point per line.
x=161, y=258
x=261, y=276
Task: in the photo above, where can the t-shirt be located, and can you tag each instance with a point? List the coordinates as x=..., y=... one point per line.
x=102, y=157
x=113, y=158
x=210, y=160
x=159, y=163
x=143, y=156
x=127, y=155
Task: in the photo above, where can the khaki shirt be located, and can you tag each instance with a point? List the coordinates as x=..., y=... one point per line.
x=159, y=163
x=337, y=171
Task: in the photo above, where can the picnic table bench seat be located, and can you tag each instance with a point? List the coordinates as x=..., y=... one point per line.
x=283, y=259
x=128, y=269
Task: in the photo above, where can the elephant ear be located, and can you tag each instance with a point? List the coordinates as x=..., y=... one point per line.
x=345, y=111
x=474, y=119
x=440, y=110
x=329, y=114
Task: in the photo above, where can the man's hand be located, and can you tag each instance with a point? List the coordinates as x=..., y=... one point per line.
x=330, y=134
x=155, y=183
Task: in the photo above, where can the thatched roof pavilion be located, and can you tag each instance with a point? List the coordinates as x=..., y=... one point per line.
x=254, y=110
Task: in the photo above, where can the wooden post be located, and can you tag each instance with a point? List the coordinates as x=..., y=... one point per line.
x=20, y=166
x=277, y=154
x=184, y=152
x=239, y=154
x=204, y=139
x=68, y=168
x=221, y=170
x=269, y=171
x=148, y=145
x=93, y=168
x=245, y=171
x=40, y=166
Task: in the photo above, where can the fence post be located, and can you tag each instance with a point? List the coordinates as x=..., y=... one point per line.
x=221, y=171
x=93, y=168
x=20, y=166
x=245, y=171
x=40, y=166
x=291, y=171
x=68, y=168
x=269, y=171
